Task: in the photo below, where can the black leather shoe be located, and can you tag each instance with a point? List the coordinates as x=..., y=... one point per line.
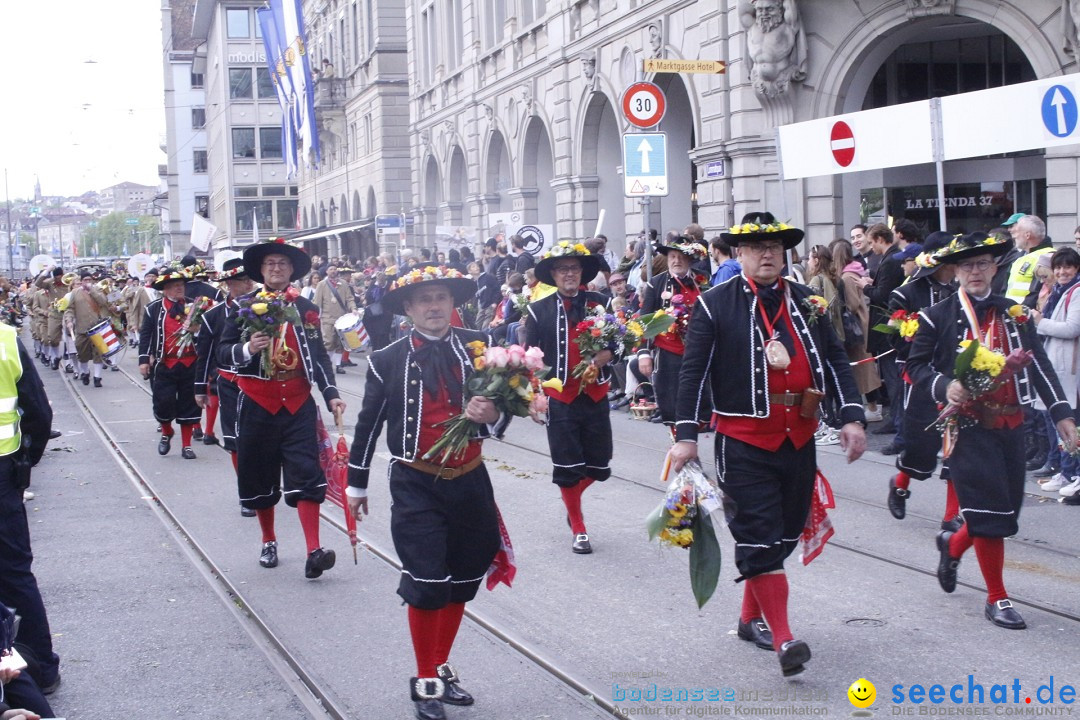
x=581, y=545
x=890, y=449
x=947, y=564
x=953, y=525
x=756, y=631
x=1003, y=614
x=268, y=556
x=187, y=453
x=85, y=377
x=69, y=369
x=55, y=364
x=53, y=434
x=340, y=369
x=163, y=445
x=209, y=439
x=1046, y=471
x=427, y=695
x=97, y=382
x=793, y=655
x=319, y=560
x=50, y=688
x=453, y=694
x=348, y=363
x=197, y=433
x=246, y=512
x=1036, y=462
x=897, y=499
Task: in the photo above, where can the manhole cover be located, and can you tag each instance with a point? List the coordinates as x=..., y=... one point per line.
x=865, y=622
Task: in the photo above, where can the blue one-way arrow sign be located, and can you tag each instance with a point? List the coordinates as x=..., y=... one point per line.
x=645, y=164
x=1059, y=111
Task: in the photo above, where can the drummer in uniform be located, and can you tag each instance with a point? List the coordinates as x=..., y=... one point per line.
x=443, y=518
x=276, y=439
x=87, y=308
x=334, y=298
x=54, y=326
x=172, y=367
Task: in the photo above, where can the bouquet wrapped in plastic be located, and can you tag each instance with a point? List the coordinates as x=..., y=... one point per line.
x=689, y=517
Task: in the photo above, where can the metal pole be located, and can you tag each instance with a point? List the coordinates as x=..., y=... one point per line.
x=939, y=158
x=645, y=202
x=7, y=197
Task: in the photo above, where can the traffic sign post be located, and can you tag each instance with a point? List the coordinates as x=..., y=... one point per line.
x=645, y=164
x=644, y=105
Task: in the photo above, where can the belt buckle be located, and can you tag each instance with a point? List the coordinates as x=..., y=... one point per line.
x=446, y=473
x=789, y=399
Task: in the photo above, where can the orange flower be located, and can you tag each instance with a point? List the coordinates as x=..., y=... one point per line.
x=597, y=332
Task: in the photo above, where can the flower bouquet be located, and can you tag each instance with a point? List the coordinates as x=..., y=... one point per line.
x=689, y=517
x=902, y=323
x=602, y=330
x=981, y=371
x=185, y=336
x=509, y=376
x=815, y=308
x=270, y=312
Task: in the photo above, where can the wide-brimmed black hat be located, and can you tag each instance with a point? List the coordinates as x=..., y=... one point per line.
x=233, y=270
x=255, y=254
x=168, y=276
x=462, y=287
x=762, y=227
x=590, y=264
x=971, y=245
x=928, y=261
x=687, y=246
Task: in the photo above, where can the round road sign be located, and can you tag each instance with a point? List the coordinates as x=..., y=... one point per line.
x=643, y=104
x=842, y=143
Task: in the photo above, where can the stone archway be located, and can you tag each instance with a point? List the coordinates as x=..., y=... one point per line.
x=456, y=188
x=343, y=208
x=537, y=197
x=497, y=175
x=677, y=210
x=432, y=198
x=356, y=213
x=372, y=207
x=600, y=187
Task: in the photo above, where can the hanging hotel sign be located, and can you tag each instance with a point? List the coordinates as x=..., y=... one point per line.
x=868, y=140
x=709, y=67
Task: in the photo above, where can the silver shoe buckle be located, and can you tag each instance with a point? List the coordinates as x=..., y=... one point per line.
x=429, y=688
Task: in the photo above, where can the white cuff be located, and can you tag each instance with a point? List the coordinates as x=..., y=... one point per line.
x=247, y=351
x=355, y=492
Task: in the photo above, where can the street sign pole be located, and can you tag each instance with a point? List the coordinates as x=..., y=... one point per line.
x=645, y=203
x=939, y=158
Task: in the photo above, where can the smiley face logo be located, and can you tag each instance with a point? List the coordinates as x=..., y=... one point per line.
x=862, y=693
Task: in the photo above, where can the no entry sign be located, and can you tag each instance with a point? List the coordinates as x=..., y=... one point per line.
x=842, y=142
x=643, y=104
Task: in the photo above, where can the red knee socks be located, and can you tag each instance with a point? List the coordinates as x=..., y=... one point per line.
x=903, y=480
x=771, y=592
x=185, y=434
x=167, y=429
x=750, y=607
x=952, y=504
x=424, y=628
x=571, y=497
x=309, y=521
x=449, y=622
x=211, y=413
x=991, y=555
x=959, y=542
x=266, y=523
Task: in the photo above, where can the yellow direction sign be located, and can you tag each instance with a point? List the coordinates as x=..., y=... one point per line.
x=711, y=67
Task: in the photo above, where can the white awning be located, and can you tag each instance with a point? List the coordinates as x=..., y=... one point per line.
x=327, y=232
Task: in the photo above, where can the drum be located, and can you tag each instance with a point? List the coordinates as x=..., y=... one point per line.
x=104, y=339
x=351, y=330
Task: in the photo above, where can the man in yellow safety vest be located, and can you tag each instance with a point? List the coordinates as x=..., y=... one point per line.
x=1029, y=234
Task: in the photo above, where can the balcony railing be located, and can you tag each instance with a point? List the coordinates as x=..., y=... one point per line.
x=330, y=93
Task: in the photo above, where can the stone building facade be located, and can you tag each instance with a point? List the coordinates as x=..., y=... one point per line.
x=515, y=105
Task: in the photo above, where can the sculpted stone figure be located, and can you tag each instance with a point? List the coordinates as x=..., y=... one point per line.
x=776, y=42
x=1070, y=14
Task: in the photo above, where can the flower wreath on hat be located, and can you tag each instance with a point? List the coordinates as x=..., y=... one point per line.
x=564, y=248
x=425, y=274
x=692, y=249
x=747, y=228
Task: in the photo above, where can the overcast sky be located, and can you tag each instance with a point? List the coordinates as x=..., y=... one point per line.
x=81, y=125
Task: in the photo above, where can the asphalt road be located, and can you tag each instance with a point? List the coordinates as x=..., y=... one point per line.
x=144, y=633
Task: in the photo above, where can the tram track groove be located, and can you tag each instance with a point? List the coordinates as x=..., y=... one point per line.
x=578, y=686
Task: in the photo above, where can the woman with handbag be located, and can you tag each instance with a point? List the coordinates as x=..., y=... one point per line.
x=867, y=376
x=822, y=279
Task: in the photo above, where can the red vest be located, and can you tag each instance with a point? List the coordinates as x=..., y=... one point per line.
x=437, y=410
x=1005, y=394
x=272, y=395
x=595, y=391
x=671, y=340
x=783, y=422
x=172, y=326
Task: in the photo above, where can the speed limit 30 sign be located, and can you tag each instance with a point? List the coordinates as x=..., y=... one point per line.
x=643, y=104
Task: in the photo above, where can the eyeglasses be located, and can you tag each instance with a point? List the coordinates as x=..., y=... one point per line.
x=276, y=264
x=566, y=269
x=765, y=248
x=980, y=265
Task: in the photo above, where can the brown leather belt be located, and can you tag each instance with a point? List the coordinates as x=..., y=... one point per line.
x=284, y=375
x=786, y=399
x=989, y=412
x=444, y=473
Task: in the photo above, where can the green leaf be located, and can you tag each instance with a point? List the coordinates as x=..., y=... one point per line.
x=963, y=360
x=656, y=521
x=887, y=329
x=704, y=560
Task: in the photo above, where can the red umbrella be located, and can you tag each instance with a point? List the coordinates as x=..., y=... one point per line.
x=335, y=464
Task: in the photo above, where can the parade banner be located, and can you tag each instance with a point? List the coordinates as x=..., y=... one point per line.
x=202, y=232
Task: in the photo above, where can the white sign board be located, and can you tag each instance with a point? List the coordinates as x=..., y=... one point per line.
x=645, y=164
x=202, y=232
x=868, y=140
x=1026, y=116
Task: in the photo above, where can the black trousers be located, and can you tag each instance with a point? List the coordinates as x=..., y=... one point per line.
x=988, y=469
x=919, y=457
x=579, y=436
x=228, y=394
x=275, y=452
x=174, y=394
x=446, y=533
x=666, y=383
x=18, y=586
x=767, y=499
